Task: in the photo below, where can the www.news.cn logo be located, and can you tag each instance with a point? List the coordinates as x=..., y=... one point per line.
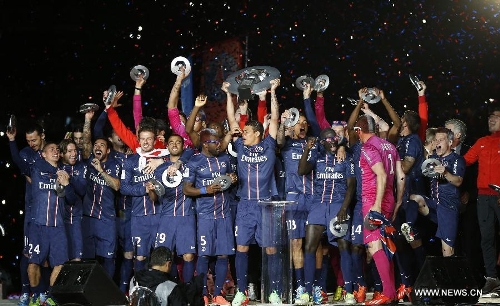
x=424, y=292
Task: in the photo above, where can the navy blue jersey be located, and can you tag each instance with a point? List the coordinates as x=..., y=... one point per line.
x=133, y=183
x=73, y=204
x=441, y=189
x=47, y=207
x=330, y=176
x=256, y=169
x=28, y=158
x=173, y=202
x=292, y=152
x=123, y=202
x=201, y=171
x=99, y=199
x=411, y=146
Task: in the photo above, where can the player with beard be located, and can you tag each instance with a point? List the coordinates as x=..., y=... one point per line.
x=24, y=160
x=73, y=205
x=177, y=225
x=298, y=188
x=334, y=186
x=215, y=226
x=411, y=151
x=98, y=222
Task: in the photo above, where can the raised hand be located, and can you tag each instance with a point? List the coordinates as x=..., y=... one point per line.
x=200, y=101
x=225, y=87
x=307, y=90
x=140, y=81
x=117, y=97
x=362, y=92
x=274, y=84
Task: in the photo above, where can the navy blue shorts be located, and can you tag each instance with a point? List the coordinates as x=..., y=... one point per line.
x=215, y=237
x=99, y=237
x=296, y=215
x=355, y=231
x=446, y=216
x=48, y=243
x=316, y=211
x=177, y=233
x=248, y=226
x=143, y=229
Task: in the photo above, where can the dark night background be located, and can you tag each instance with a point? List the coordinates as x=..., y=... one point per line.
x=57, y=55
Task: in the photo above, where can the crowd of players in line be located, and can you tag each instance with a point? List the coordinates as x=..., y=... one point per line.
x=95, y=192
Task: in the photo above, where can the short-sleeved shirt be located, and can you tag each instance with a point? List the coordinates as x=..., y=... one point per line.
x=411, y=146
x=133, y=184
x=99, y=200
x=256, y=169
x=442, y=190
x=201, y=171
x=292, y=152
x=330, y=175
x=173, y=202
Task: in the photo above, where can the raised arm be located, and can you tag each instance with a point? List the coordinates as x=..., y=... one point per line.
x=137, y=101
x=262, y=106
x=127, y=137
x=273, y=121
x=393, y=133
x=353, y=137
x=173, y=112
x=383, y=127
x=99, y=125
x=87, y=135
x=423, y=111
x=308, y=110
x=198, y=104
x=14, y=153
x=231, y=119
x=319, y=109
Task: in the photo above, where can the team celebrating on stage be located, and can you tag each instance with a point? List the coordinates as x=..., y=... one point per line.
x=192, y=186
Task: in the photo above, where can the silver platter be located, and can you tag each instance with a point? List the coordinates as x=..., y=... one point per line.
x=428, y=167
x=338, y=229
x=321, y=83
x=224, y=181
x=301, y=82
x=293, y=119
x=89, y=107
x=139, y=70
x=256, y=78
x=371, y=96
x=177, y=63
x=171, y=181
